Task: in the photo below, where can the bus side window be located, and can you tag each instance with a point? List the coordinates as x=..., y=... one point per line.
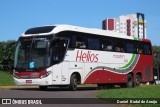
x=80, y=42
x=130, y=47
x=107, y=45
x=72, y=42
x=139, y=48
x=93, y=43
x=147, y=49
x=118, y=45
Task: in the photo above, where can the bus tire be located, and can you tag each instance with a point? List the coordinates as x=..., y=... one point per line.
x=43, y=88
x=138, y=80
x=73, y=82
x=130, y=81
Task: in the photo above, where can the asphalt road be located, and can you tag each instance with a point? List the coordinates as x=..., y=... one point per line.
x=82, y=92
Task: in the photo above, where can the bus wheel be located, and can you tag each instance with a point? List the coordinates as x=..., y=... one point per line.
x=43, y=88
x=138, y=79
x=73, y=82
x=130, y=81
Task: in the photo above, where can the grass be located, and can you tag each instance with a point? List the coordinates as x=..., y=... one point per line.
x=6, y=79
x=144, y=91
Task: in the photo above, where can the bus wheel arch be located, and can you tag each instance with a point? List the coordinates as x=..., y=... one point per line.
x=75, y=79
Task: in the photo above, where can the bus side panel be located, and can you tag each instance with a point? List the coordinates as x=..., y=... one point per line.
x=56, y=74
x=88, y=68
x=76, y=67
x=104, y=76
x=145, y=67
x=65, y=70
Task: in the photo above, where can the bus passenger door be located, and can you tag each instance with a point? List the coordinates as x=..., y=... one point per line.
x=58, y=51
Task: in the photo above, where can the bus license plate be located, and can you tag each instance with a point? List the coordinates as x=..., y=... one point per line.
x=28, y=81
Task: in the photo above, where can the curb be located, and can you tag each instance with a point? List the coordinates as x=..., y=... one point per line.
x=19, y=87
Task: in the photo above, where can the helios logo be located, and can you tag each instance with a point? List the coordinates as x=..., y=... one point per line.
x=86, y=56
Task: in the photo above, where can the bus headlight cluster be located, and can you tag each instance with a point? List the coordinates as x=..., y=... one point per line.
x=46, y=74
x=15, y=74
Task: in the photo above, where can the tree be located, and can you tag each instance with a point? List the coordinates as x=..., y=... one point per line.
x=156, y=52
x=7, y=55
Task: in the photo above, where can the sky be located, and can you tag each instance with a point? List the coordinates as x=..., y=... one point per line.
x=16, y=16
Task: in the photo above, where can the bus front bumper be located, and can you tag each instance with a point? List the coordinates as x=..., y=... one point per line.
x=37, y=81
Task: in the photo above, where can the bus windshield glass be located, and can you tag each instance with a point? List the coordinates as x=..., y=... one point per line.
x=31, y=53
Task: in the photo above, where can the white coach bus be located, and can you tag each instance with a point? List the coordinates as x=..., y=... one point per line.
x=64, y=55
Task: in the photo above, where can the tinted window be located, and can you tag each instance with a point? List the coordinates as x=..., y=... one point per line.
x=98, y=42
x=140, y=48
x=93, y=43
x=147, y=49
x=80, y=43
x=78, y=40
x=118, y=45
x=130, y=47
x=107, y=44
x=45, y=29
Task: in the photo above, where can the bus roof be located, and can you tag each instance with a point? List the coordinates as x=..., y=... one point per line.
x=53, y=29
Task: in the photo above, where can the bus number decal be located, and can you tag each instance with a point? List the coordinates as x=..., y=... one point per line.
x=86, y=56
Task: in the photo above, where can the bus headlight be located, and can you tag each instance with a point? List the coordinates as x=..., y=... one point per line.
x=46, y=74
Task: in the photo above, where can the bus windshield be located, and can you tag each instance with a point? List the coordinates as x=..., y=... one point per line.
x=38, y=53
x=31, y=53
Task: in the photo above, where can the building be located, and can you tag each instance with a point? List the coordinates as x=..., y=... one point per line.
x=129, y=25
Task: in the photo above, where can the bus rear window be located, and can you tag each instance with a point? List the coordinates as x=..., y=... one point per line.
x=36, y=30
